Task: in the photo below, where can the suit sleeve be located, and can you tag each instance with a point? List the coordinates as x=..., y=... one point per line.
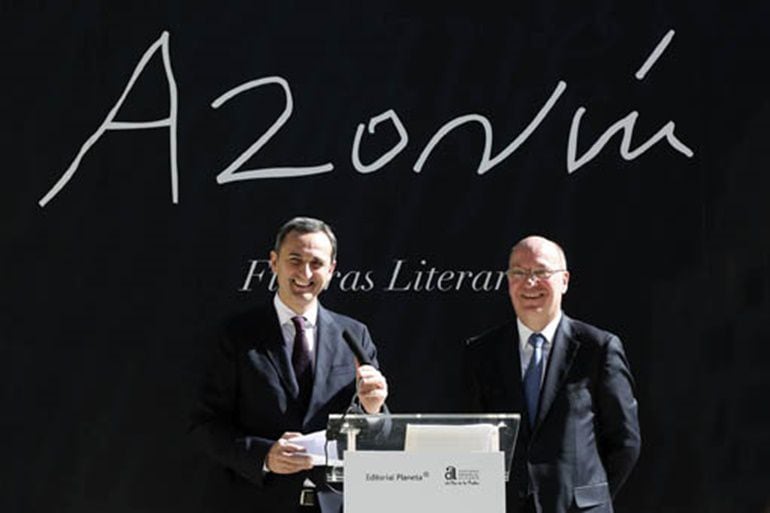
x=212, y=424
x=618, y=435
x=368, y=346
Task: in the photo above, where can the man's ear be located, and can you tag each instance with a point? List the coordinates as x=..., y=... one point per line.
x=565, y=282
x=273, y=260
x=330, y=274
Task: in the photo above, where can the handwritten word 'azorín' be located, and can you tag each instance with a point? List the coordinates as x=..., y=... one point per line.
x=234, y=172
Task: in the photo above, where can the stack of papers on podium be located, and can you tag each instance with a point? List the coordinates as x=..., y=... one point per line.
x=443, y=438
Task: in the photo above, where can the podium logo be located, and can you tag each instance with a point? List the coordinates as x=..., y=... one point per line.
x=461, y=477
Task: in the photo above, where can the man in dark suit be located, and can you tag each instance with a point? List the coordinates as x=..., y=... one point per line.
x=279, y=371
x=579, y=435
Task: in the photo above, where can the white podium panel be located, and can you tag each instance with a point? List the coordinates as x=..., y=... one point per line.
x=392, y=481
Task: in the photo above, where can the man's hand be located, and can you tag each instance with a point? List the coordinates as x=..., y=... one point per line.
x=285, y=457
x=372, y=388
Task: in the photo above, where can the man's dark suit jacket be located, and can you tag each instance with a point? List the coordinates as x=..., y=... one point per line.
x=585, y=439
x=250, y=398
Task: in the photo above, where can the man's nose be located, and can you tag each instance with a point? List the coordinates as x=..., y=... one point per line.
x=306, y=270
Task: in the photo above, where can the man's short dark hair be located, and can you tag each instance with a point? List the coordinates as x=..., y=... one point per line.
x=304, y=225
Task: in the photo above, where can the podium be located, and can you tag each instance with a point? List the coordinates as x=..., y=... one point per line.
x=407, y=463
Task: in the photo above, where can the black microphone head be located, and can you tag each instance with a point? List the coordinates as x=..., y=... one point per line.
x=356, y=348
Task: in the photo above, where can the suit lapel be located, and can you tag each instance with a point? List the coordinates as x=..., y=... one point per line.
x=327, y=346
x=275, y=347
x=562, y=355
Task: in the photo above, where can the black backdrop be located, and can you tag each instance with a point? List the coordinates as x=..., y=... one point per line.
x=111, y=290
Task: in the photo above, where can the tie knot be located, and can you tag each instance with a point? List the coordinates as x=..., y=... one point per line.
x=299, y=323
x=536, y=340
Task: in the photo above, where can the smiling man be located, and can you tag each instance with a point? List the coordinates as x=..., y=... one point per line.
x=579, y=436
x=279, y=371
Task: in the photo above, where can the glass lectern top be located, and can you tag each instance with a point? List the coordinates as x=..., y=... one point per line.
x=419, y=432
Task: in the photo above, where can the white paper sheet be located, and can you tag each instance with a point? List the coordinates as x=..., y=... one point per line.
x=314, y=446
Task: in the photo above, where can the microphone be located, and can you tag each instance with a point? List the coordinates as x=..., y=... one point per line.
x=363, y=359
x=356, y=348
x=358, y=352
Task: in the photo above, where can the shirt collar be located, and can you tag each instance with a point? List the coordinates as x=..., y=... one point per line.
x=548, y=332
x=285, y=313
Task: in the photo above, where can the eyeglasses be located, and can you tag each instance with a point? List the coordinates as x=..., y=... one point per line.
x=518, y=274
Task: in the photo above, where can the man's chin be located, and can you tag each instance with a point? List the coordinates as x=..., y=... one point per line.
x=531, y=313
x=305, y=297
x=531, y=309
x=298, y=300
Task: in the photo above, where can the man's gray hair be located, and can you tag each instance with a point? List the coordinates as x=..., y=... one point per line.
x=304, y=225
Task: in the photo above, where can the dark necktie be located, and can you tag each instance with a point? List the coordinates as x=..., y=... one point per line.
x=300, y=360
x=533, y=375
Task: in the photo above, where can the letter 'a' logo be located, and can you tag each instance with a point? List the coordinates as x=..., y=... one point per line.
x=451, y=473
